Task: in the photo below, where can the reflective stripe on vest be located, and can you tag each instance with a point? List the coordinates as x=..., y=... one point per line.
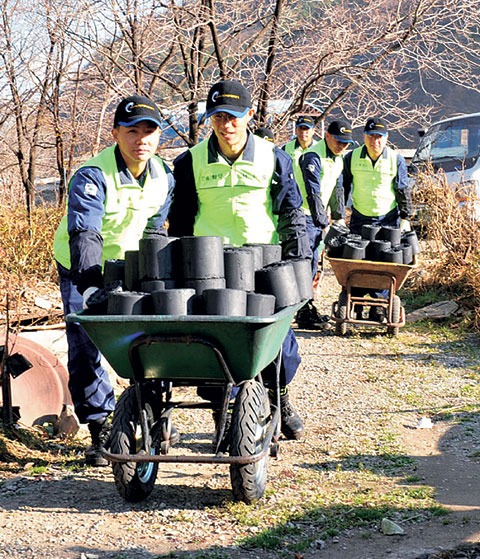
x=234, y=200
x=331, y=169
x=373, y=193
x=128, y=206
x=295, y=153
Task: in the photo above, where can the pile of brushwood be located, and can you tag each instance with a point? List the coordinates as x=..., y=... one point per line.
x=447, y=220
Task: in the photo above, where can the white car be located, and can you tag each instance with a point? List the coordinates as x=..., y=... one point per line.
x=453, y=145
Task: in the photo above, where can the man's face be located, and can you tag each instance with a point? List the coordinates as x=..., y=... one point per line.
x=375, y=144
x=231, y=131
x=137, y=143
x=334, y=145
x=304, y=135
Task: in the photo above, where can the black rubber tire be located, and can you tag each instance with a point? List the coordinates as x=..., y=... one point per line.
x=250, y=419
x=134, y=480
x=396, y=311
x=341, y=327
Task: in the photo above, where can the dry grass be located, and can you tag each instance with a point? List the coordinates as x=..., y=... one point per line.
x=448, y=221
x=26, y=252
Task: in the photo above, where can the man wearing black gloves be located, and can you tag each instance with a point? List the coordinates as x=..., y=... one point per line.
x=241, y=187
x=375, y=176
x=320, y=183
x=114, y=198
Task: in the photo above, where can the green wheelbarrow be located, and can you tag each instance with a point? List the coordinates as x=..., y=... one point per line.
x=159, y=353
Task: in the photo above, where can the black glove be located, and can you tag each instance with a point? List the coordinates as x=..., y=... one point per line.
x=97, y=303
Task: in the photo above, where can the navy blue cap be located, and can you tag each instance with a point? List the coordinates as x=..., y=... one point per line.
x=228, y=96
x=305, y=121
x=341, y=130
x=376, y=125
x=134, y=109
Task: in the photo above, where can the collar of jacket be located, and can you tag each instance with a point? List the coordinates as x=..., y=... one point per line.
x=126, y=175
x=364, y=153
x=329, y=152
x=248, y=153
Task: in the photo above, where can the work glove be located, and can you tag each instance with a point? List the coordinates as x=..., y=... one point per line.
x=95, y=300
x=405, y=225
x=87, y=294
x=151, y=232
x=339, y=222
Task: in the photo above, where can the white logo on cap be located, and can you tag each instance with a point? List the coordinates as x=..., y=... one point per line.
x=342, y=130
x=129, y=106
x=372, y=125
x=214, y=96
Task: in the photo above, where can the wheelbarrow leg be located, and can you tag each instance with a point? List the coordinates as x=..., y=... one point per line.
x=276, y=405
x=222, y=420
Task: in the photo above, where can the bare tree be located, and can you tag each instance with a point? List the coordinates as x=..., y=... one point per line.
x=352, y=57
x=361, y=57
x=34, y=58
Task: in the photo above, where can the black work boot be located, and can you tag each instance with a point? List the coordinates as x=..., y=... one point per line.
x=291, y=425
x=377, y=314
x=174, y=435
x=309, y=317
x=100, y=433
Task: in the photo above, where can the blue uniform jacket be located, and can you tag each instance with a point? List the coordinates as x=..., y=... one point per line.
x=311, y=166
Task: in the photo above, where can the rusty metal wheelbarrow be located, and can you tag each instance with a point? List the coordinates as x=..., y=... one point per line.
x=370, y=275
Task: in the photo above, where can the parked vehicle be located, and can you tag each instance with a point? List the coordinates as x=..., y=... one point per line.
x=453, y=145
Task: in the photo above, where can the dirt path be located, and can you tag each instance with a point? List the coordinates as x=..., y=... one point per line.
x=362, y=458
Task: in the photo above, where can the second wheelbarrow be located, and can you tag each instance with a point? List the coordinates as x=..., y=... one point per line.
x=371, y=275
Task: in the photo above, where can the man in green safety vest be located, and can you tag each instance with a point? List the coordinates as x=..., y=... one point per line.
x=375, y=177
x=304, y=131
x=322, y=166
x=241, y=187
x=113, y=199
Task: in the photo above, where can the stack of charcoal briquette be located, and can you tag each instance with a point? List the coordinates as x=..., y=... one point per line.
x=201, y=276
x=380, y=244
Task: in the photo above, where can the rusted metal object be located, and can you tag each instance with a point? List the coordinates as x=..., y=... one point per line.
x=41, y=391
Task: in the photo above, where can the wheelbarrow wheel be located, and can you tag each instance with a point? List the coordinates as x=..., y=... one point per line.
x=396, y=312
x=134, y=480
x=250, y=419
x=341, y=327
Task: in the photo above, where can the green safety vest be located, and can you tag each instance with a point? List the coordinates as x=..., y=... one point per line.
x=295, y=153
x=332, y=168
x=128, y=206
x=373, y=193
x=234, y=200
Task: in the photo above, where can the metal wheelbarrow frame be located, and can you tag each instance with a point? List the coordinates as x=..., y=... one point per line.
x=368, y=274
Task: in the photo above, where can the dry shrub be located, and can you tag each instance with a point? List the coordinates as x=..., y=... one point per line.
x=448, y=221
x=26, y=253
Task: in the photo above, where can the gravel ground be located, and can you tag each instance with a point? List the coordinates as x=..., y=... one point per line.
x=355, y=393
